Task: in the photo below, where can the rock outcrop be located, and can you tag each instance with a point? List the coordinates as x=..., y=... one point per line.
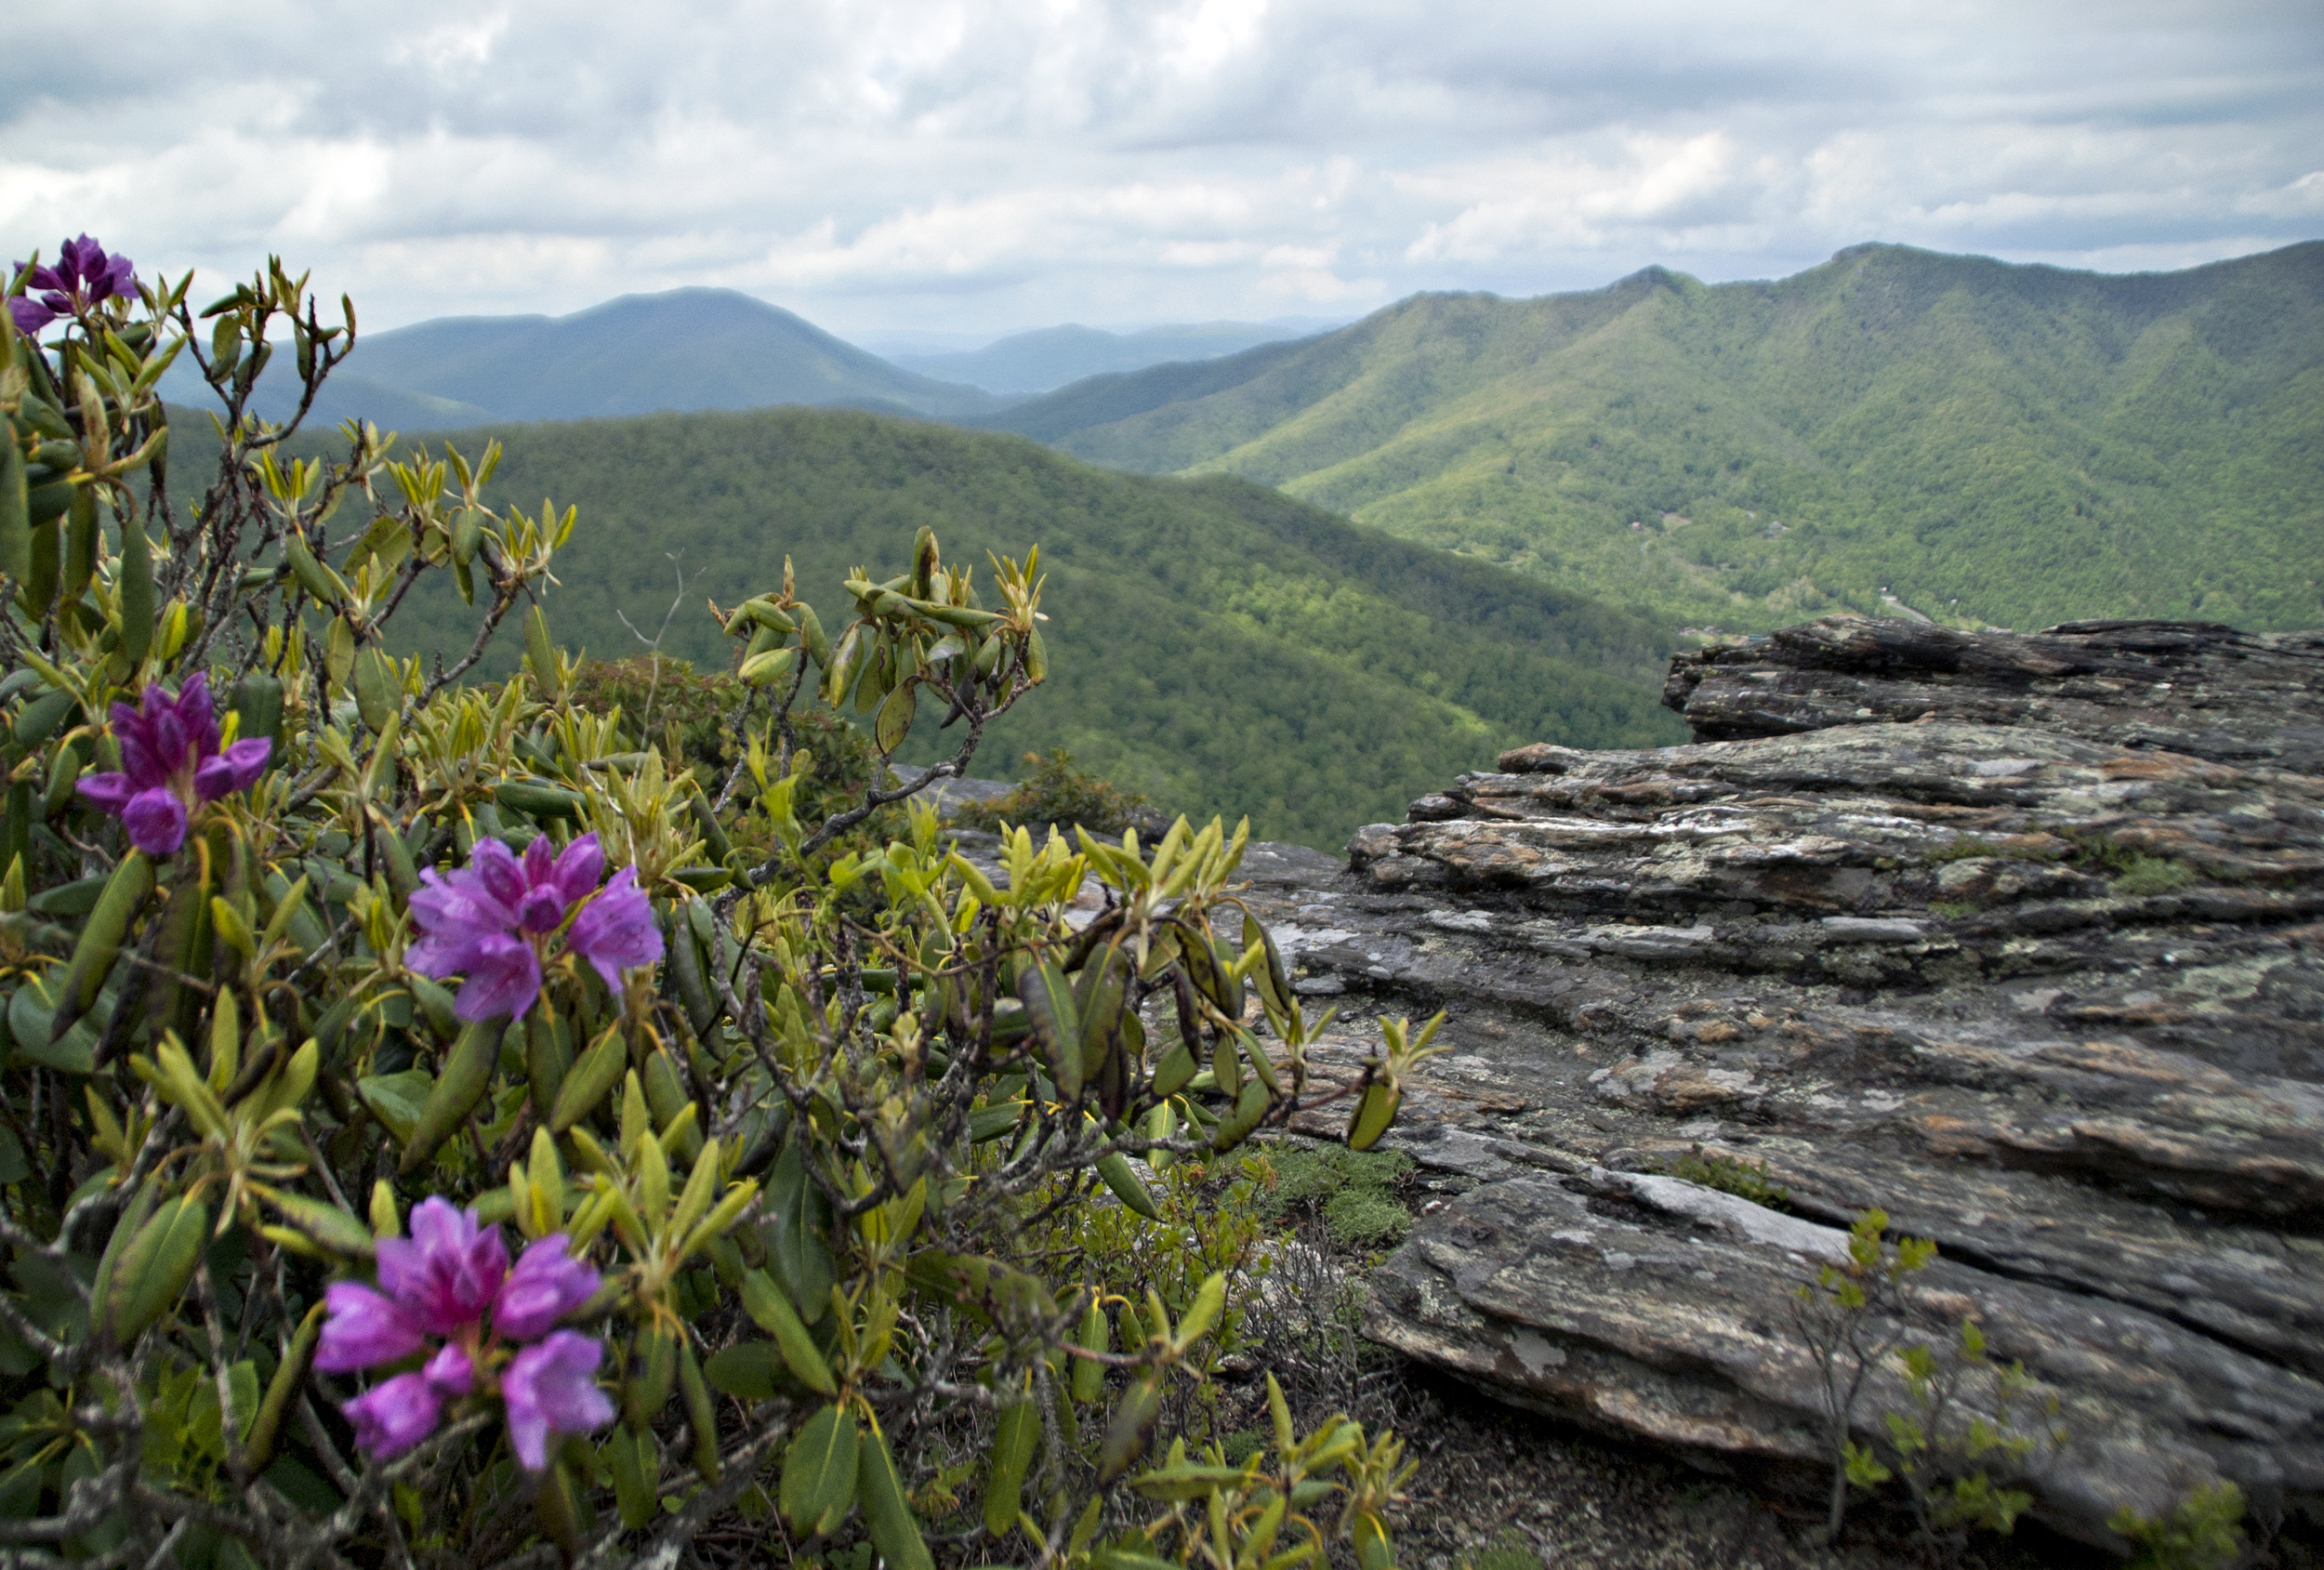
x=2020, y=939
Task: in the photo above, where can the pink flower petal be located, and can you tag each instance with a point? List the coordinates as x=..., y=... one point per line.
x=197, y=716
x=495, y=872
x=167, y=735
x=580, y=868
x=504, y=976
x=138, y=758
x=539, y=861
x=455, y=912
x=551, y=1387
x=156, y=822
x=616, y=930
x=450, y=1373
x=106, y=793
x=392, y=1416
x=451, y=1269
x=542, y=909
x=235, y=768
x=362, y=1329
x=547, y=1285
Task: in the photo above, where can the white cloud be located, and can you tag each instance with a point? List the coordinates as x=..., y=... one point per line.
x=993, y=163
x=454, y=47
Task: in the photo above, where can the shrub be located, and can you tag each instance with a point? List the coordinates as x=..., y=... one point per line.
x=1746, y=1180
x=1055, y=792
x=320, y=970
x=1848, y=1317
x=1961, y=1410
x=2200, y=1533
x=1960, y=1407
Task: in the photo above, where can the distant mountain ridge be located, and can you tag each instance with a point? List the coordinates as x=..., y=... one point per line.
x=641, y=354
x=1049, y=358
x=1896, y=428
x=680, y=350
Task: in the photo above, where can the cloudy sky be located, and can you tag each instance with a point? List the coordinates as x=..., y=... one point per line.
x=934, y=165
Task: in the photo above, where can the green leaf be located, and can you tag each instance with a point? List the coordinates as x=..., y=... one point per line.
x=1374, y=1112
x=588, y=1082
x=820, y=1472
x=467, y=1072
x=15, y=525
x=1018, y=1433
x=155, y=1267
x=797, y=1213
x=1049, y=1004
x=396, y=1100
x=895, y=720
x=633, y=1492
x=1114, y=1169
x=1182, y=1479
x=702, y=1417
x=31, y=1020
x=764, y=1301
x=540, y=653
x=327, y=1224
x=1089, y=1378
x=135, y=586
x=1133, y=1422
x=747, y=1370
x=1210, y=1304
x=893, y=1531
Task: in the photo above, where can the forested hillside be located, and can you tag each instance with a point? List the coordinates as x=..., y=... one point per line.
x=1985, y=442
x=1214, y=644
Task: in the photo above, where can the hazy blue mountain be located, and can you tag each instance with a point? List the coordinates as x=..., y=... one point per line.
x=684, y=350
x=1976, y=441
x=687, y=349
x=1049, y=357
x=345, y=396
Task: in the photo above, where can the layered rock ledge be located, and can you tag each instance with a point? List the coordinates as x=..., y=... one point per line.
x=2020, y=939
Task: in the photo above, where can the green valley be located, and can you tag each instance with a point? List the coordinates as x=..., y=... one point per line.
x=1214, y=644
x=1971, y=439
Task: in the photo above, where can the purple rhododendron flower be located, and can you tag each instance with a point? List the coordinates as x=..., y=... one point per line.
x=492, y=921
x=84, y=275
x=451, y=1279
x=171, y=765
x=553, y=1386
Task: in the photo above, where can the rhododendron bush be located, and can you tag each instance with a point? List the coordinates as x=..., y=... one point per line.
x=428, y=1139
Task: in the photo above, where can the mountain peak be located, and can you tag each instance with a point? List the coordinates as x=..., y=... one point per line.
x=695, y=301
x=696, y=348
